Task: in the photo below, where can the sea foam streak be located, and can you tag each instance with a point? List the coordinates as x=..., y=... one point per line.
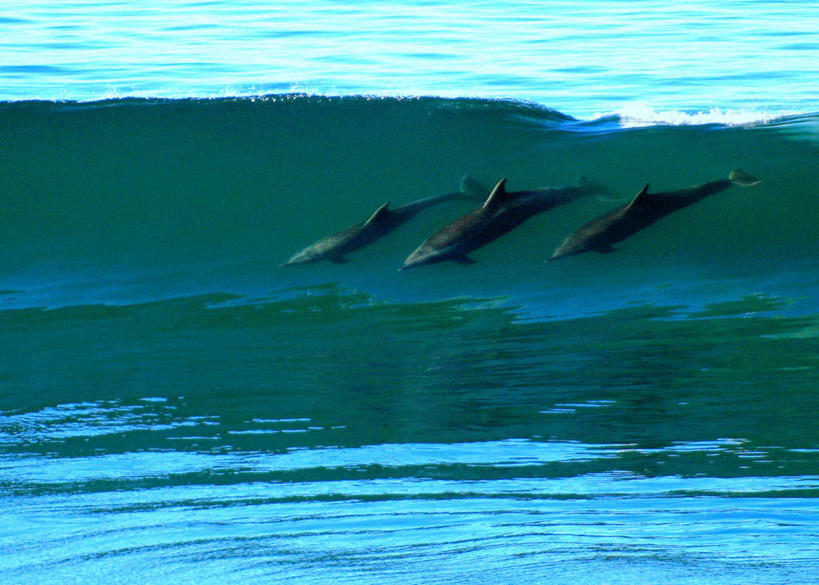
x=639, y=115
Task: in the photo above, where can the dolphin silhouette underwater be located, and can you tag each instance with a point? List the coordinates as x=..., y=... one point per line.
x=501, y=212
x=646, y=208
x=384, y=220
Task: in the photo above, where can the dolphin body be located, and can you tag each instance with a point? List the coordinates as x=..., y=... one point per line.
x=384, y=220
x=501, y=212
x=646, y=208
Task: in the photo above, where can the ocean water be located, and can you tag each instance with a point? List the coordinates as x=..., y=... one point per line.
x=175, y=406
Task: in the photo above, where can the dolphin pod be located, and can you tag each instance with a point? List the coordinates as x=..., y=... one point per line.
x=384, y=220
x=646, y=208
x=501, y=212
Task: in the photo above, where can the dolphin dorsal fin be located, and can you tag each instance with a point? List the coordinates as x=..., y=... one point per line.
x=743, y=179
x=379, y=214
x=641, y=196
x=497, y=195
x=472, y=187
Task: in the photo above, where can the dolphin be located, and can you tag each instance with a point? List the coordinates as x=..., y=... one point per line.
x=384, y=220
x=501, y=212
x=646, y=208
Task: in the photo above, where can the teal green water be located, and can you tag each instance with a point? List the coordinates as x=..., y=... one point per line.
x=129, y=201
x=166, y=442
x=174, y=406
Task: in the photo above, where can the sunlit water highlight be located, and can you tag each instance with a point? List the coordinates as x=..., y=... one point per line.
x=580, y=58
x=174, y=407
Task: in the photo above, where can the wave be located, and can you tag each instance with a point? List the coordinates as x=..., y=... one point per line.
x=501, y=111
x=629, y=115
x=130, y=200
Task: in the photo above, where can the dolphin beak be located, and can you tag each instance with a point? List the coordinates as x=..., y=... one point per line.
x=410, y=262
x=554, y=257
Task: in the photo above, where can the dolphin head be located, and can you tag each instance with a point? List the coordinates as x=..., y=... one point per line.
x=565, y=249
x=306, y=256
x=576, y=243
x=420, y=257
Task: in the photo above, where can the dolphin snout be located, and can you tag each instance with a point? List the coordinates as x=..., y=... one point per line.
x=409, y=264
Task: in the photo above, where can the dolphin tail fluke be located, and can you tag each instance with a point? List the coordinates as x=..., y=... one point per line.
x=743, y=179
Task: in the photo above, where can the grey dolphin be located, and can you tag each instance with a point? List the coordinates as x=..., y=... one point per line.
x=380, y=223
x=500, y=213
x=646, y=208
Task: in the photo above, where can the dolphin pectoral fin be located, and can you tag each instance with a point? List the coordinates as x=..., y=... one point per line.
x=379, y=214
x=743, y=179
x=463, y=259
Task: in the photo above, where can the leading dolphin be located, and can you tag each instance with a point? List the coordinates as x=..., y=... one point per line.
x=646, y=208
x=500, y=213
x=380, y=223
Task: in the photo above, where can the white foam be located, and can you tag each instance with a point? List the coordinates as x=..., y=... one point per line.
x=639, y=115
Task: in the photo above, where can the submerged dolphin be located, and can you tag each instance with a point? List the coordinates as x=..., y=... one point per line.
x=379, y=224
x=501, y=213
x=646, y=208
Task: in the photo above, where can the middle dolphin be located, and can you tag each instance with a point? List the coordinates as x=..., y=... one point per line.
x=500, y=213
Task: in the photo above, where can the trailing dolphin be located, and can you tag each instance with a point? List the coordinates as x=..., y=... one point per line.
x=501, y=212
x=646, y=208
x=384, y=220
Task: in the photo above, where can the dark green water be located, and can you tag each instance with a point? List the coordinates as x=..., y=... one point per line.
x=174, y=406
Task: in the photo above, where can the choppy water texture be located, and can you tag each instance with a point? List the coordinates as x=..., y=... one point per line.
x=583, y=58
x=175, y=407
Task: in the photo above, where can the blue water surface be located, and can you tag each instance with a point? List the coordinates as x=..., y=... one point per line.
x=583, y=58
x=176, y=408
